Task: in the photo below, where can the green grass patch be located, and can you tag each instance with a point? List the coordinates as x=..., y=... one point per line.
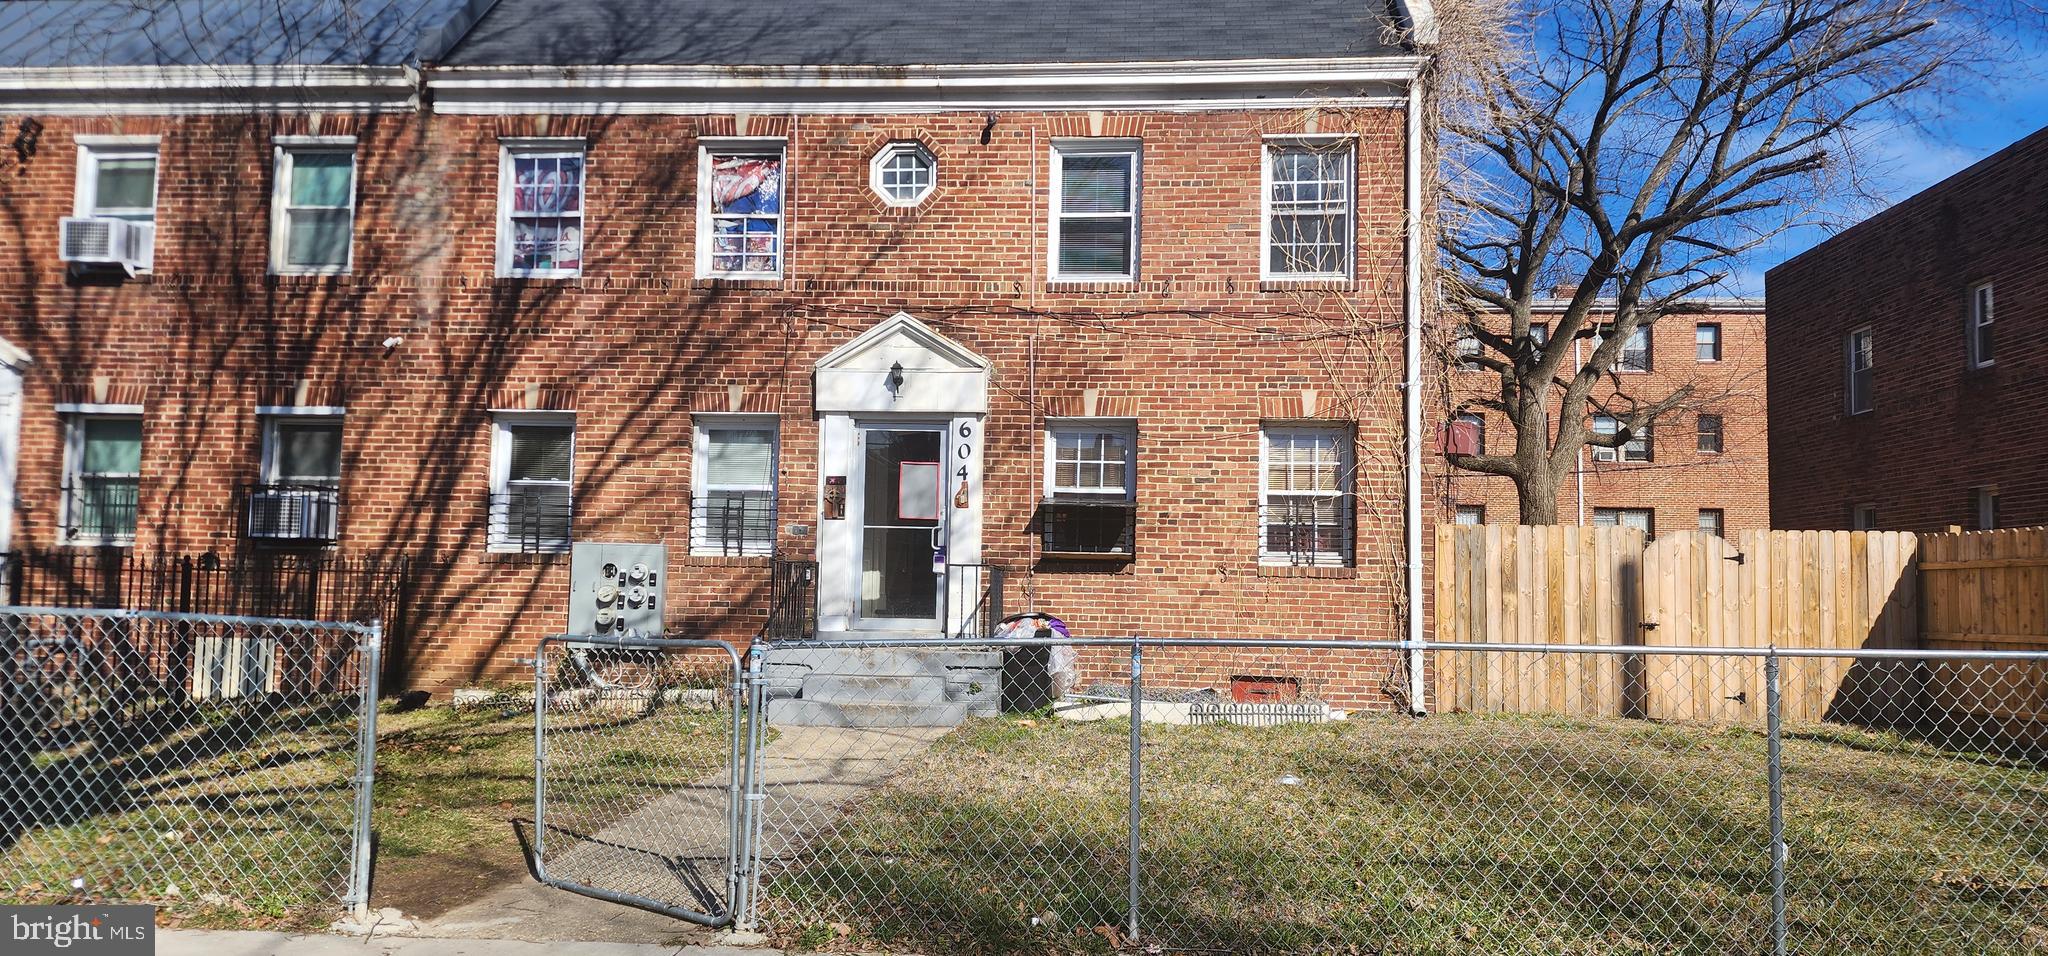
x=1454, y=834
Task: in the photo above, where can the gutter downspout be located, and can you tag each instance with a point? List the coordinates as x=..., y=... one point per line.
x=1412, y=399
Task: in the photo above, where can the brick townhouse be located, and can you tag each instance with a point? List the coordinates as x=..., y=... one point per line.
x=908, y=292
x=1703, y=466
x=1906, y=377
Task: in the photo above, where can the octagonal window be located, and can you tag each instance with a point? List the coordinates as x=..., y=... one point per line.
x=904, y=174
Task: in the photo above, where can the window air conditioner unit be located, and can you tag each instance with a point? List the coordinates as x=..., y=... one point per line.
x=98, y=241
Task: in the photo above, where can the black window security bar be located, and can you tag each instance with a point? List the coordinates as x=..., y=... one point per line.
x=534, y=522
x=733, y=523
x=101, y=510
x=1088, y=529
x=1308, y=532
x=289, y=513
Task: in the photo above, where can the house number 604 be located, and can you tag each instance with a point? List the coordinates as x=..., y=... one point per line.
x=964, y=452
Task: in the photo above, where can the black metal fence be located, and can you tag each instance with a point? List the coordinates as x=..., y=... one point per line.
x=286, y=584
x=792, y=600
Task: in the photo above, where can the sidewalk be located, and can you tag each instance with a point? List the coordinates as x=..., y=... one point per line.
x=203, y=942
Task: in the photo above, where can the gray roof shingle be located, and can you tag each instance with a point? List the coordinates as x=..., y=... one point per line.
x=86, y=33
x=915, y=32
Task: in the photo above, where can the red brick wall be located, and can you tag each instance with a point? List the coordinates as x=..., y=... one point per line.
x=1198, y=351
x=1681, y=480
x=1938, y=428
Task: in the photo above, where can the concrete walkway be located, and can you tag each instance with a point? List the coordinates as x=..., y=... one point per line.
x=204, y=942
x=673, y=848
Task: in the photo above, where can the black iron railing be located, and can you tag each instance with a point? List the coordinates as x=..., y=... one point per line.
x=289, y=513
x=792, y=601
x=311, y=586
x=1308, y=532
x=100, y=510
x=974, y=600
x=533, y=521
x=1088, y=529
x=733, y=523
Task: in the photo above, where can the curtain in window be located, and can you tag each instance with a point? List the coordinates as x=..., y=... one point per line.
x=746, y=214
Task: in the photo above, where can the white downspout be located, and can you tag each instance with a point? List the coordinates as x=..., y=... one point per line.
x=1412, y=399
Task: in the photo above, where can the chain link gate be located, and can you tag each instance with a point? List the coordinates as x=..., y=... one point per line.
x=637, y=760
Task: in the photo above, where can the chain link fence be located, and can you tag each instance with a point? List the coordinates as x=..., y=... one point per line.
x=636, y=761
x=1276, y=798
x=199, y=762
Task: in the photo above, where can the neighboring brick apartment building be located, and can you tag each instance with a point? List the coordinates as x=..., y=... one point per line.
x=1118, y=309
x=1704, y=466
x=1908, y=378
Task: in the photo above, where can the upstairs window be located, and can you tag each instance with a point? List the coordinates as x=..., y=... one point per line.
x=742, y=191
x=1308, y=209
x=1637, y=448
x=313, y=208
x=1858, y=354
x=1095, y=211
x=102, y=479
x=1635, y=353
x=733, y=513
x=299, y=497
x=1473, y=426
x=1710, y=434
x=903, y=174
x=1469, y=350
x=117, y=180
x=532, y=472
x=1305, y=496
x=1706, y=338
x=1981, y=315
x=540, y=210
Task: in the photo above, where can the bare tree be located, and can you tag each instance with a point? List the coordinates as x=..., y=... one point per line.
x=1632, y=151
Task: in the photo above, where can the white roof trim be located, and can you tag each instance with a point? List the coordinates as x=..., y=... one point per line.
x=205, y=89
x=1230, y=84
x=853, y=378
x=98, y=408
x=14, y=356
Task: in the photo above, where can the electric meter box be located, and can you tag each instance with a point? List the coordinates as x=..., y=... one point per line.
x=615, y=590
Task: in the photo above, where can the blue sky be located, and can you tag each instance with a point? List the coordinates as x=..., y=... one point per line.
x=1965, y=126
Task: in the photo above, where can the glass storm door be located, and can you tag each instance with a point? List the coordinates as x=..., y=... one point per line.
x=902, y=539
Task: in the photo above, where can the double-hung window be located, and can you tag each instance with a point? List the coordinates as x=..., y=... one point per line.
x=1859, y=355
x=1710, y=438
x=1095, y=211
x=102, y=478
x=1091, y=489
x=1981, y=344
x=742, y=191
x=312, y=209
x=1706, y=338
x=540, y=209
x=1714, y=521
x=1308, y=215
x=733, y=513
x=117, y=180
x=1641, y=519
x=532, y=481
x=1635, y=353
x=1470, y=515
x=299, y=499
x=1305, y=495
x=1637, y=448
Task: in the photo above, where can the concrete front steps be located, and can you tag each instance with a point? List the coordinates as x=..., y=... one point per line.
x=881, y=687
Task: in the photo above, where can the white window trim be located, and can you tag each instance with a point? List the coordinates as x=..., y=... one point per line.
x=889, y=152
x=1126, y=427
x=1849, y=372
x=499, y=539
x=1979, y=318
x=74, y=462
x=539, y=148
x=1618, y=453
x=283, y=148
x=1618, y=513
x=701, y=427
x=1350, y=257
x=85, y=193
x=1346, y=490
x=742, y=144
x=1458, y=514
x=1062, y=148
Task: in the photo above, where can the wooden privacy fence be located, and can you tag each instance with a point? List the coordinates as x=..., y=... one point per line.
x=1987, y=589
x=1609, y=586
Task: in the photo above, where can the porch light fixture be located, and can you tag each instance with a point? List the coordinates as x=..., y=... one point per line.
x=895, y=378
